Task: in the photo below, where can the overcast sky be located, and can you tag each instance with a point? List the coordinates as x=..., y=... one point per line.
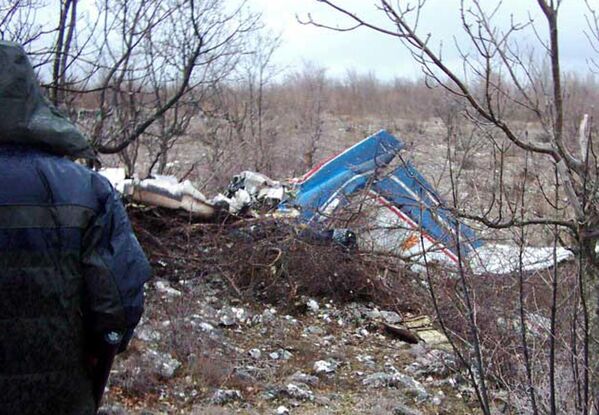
x=365, y=51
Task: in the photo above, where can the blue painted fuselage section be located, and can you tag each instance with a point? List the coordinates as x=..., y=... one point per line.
x=331, y=186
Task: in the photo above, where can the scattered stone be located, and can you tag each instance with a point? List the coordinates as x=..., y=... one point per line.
x=281, y=354
x=226, y=319
x=147, y=334
x=312, y=305
x=412, y=386
x=224, y=396
x=398, y=380
x=292, y=320
x=164, y=288
x=298, y=391
x=366, y=359
x=378, y=380
x=114, y=409
x=269, y=315
x=435, y=362
x=314, y=330
x=373, y=314
x=402, y=409
x=282, y=410
x=230, y=316
x=437, y=400
x=325, y=366
x=328, y=340
x=241, y=315
x=163, y=364
x=390, y=317
x=270, y=394
x=255, y=353
x=300, y=377
x=207, y=327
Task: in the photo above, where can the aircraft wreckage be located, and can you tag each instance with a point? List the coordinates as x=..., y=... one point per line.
x=393, y=209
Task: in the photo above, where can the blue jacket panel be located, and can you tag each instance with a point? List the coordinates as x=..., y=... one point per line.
x=70, y=270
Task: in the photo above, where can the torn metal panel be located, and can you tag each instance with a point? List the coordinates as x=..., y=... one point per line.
x=417, y=203
x=163, y=191
x=173, y=195
x=405, y=204
x=327, y=187
x=251, y=190
x=391, y=209
x=501, y=259
x=387, y=228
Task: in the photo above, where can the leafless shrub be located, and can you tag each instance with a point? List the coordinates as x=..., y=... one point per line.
x=135, y=378
x=273, y=261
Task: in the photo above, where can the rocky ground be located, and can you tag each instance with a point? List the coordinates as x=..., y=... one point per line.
x=201, y=351
x=202, y=348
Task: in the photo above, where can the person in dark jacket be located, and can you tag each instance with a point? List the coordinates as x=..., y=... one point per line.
x=71, y=269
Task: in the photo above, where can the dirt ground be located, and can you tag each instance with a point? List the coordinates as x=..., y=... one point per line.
x=205, y=346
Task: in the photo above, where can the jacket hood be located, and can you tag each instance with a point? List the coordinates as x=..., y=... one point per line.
x=26, y=116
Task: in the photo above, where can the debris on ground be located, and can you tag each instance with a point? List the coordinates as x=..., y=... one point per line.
x=392, y=209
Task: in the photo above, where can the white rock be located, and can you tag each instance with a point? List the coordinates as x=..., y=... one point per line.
x=314, y=330
x=163, y=363
x=255, y=353
x=281, y=354
x=164, y=288
x=147, y=334
x=268, y=315
x=391, y=317
x=365, y=358
x=206, y=326
x=300, y=377
x=301, y=392
x=312, y=305
x=373, y=314
x=239, y=313
x=380, y=379
x=282, y=410
x=324, y=366
x=224, y=396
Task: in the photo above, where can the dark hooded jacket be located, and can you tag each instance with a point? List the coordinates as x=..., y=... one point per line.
x=71, y=268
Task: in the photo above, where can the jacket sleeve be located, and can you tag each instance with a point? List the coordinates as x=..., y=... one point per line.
x=114, y=270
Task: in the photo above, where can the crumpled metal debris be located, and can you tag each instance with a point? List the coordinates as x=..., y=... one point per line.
x=251, y=190
x=395, y=210
x=163, y=191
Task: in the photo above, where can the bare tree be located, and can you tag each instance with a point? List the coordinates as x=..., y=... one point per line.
x=19, y=21
x=504, y=86
x=307, y=87
x=140, y=66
